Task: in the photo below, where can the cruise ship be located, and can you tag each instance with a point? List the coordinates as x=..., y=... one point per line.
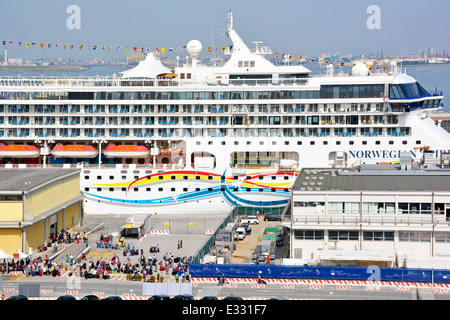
x=201, y=139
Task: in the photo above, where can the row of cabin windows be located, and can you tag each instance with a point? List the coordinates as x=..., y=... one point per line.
x=184, y=189
x=299, y=143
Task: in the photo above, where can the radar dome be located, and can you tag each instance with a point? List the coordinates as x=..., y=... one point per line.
x=360, y=70
x=194, y=47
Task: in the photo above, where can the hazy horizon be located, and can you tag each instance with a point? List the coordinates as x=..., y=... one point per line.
x=292, y=27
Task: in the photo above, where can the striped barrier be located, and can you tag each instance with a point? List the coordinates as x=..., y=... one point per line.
x=402, y=289
x=258, y=285
x=379, y=284
x=440, y=291
x=133, y=297
x=344, y=288
x=8, y=290
x=372, y=288
x=72, y=292
x=159, y=232
x=287, y=286
x=209, y=232
x=46, y=291
x=314, y=287
x=98, y=294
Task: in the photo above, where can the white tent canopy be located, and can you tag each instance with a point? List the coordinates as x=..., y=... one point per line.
x=4, y=255
x=149, y=68
x=19, y=255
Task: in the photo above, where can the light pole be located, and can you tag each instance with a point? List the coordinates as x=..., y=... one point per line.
x=99, y=150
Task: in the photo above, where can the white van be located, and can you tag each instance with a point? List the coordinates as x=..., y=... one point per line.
x=250, y=220
x=240, y=233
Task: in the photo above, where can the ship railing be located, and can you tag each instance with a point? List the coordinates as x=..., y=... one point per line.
x=119, y=82
x=372, y=221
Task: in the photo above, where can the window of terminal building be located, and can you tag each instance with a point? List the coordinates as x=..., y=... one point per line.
x=442, y=236
x=309, y=234
x=14, y=198
x=342, y=235
x=378, y=236
x=414, y=236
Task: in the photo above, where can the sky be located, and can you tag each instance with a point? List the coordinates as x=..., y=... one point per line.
x=293, y=27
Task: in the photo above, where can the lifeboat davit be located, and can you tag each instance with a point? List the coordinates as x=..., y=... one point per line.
x=165, y=151
x=18, y=151
x=130, y=151
x=74, y=151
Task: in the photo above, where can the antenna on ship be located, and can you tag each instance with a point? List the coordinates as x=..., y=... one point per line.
x=230, y=20
x=212, y=40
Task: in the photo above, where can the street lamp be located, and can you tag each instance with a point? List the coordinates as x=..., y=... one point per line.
x=99, y=150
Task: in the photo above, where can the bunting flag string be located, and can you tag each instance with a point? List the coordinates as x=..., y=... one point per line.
x=225, y=49
x=103, y=47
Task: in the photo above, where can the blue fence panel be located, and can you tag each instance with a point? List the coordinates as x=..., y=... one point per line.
x=320, y=272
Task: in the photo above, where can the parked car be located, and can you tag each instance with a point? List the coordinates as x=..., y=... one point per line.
x=240, y=234
x=183, y=297
x=66, y=297
x=18, y=297
x=209, y=298
x=113, y=298
x=90, y=297
x=232, y=298
x=250, y=220
x=272, y=217
x=247, y=228
x=159, y=297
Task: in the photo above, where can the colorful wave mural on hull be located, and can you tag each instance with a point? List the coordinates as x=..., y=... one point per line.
x=228, y=187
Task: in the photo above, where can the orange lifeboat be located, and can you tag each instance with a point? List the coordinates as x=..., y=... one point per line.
x=74, y=151
x=126, y=151
x=165, y=151
x=18, y=151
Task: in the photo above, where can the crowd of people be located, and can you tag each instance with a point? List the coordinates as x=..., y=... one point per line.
x=145, y=267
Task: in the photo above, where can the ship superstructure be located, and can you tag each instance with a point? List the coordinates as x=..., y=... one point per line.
x=201, y=139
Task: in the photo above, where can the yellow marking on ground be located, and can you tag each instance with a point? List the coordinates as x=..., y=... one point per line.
x=201, y=225
x=17, y=277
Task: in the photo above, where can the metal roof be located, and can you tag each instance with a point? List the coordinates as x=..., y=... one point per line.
x=18, y=180
x=353, y=180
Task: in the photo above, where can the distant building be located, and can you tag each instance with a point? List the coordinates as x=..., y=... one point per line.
x=442, y=119
x=35, y=203
x=374, y=215
x=15, y=61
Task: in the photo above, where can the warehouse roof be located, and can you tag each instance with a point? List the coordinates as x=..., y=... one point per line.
x=380, y=180
x=18, y=180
